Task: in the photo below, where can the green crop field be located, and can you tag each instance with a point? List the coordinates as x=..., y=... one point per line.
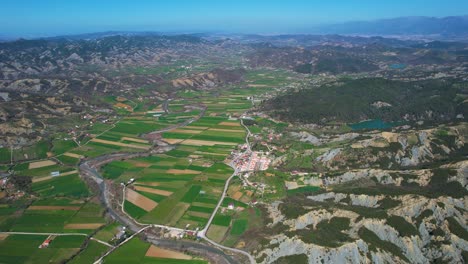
x=58, y=201
x=108, y=232
x=42, y=221
x=133, y=210
x=222, y=220
x=24, y=249
x=67, y=242
x=131, y=252
x=62, y=146
x=239, y=226
x=70, y=185
x=191, y=194
x=89, y=213
x=52, y=219
x=41, y=172
x=114, y=169
x=5, y=155
x=69, y=161
x=90, y=254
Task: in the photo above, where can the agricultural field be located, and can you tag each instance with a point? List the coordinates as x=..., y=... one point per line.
x=169, y=189
x=182, y=186
x=137, y=251
x=108, y=232
x=24, y=248
x=49, y=178
x=90, y=254
x=230, y=225
x=37, y=151
x=57, y=215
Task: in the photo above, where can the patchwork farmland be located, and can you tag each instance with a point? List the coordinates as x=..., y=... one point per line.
x=183, y=184
x=178, y=188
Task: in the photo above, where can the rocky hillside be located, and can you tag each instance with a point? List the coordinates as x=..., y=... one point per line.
x=386, y=197
x=209, y=79
x=45, y=57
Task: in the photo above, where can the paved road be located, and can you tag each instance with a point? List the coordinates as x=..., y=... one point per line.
x=246, y=136
x=202, y=233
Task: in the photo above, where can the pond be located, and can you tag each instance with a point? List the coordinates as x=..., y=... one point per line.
x=397, y=66
x=373, y=124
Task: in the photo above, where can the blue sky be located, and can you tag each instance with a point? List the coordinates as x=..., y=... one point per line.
x=49, y=17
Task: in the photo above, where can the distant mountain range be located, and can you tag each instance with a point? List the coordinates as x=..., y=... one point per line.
x=452, y=27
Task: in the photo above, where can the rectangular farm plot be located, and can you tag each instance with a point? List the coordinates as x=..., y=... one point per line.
x=208, y=205
x=70, y=185
x=42, y=221
x=138, y=140
x=89, y=214
x=185, y=171
x=239, y=226
x=73, y=155
x=233, y=130
x=186, y=131
x=54, y=207
x=217, y=232
x=50, y=177
x=153, y=190
x=233, y=124
x=173, y=140
x=40, y=164
x=133, y=210
x=192, y=194
x=199, y=214
x=140, y=200
x=87, y=226
x=222, y=220
x=157, y=252
x=196, y=127
x=177, y=213
x=195, y=142
x=108, y=142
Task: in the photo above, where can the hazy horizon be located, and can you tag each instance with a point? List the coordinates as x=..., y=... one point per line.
x=28, y=18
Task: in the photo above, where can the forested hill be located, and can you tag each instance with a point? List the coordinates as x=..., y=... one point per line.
x=372, y=98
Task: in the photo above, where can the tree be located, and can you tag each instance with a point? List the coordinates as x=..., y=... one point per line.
x=21, y=182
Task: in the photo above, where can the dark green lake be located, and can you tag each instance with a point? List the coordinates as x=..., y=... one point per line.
x=373, y=124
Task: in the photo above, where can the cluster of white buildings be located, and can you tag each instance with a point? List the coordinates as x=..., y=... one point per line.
x=253, y=161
